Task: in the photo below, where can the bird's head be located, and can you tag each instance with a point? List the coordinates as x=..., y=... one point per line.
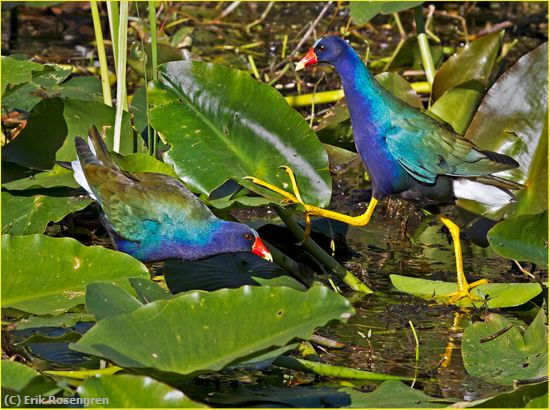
x=238, y=237
x=325, y=50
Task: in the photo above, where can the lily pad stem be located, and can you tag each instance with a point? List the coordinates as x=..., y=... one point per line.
x=332, y=265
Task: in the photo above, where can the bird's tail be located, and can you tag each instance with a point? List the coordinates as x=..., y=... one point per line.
x=92, y=153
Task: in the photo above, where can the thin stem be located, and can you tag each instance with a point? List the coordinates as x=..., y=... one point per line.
x=154, y=63
x=330, y=370
x=113, y=13
x=121, y=73
x=101, y=55
x=417, y=353
x=331, y=264
x=424, y=46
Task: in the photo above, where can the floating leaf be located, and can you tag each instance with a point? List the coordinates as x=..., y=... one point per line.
x=199, y=331
x=496, y=351
x=44, y=133
x=27, y=214
x=59, y=321
x=148, y=291
x=513, y=115
x=475, y=61
x=16, y=72
x=525, y=396
x=394, y=394
x=65, y=268
x=56, y=177
x=106, y=300
x=129, y=391
x=142, y=163
x=238, y=127
x=363, y=11
x=492, y=295
x=224, y=271
x=20, y=379
x=524, y=238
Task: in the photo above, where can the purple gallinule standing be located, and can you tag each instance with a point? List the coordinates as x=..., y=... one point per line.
x=153, y=216
x=407, y=153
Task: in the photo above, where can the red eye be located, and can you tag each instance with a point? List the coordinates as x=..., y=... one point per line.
x=247, y=236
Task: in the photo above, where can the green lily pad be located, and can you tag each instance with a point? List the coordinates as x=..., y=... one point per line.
x=526, y=396
x=239, y=127
x=128, y=391
x=523, y=238
x=37, y=143
x=201, y=331
x=51, y=82
x=142, y=163
x=20, y=379
x=16, y=72
x=496, y=350
x=493, y=295
x=148, y=291
x=59, y=321
x=475, y=61
x=105, y=299
x=394, y=394
x=56, y=177
x=65, y=268
x=80, y=115
x=513, y=119
x=24, y=215
x=363, y=11
x=225, y=271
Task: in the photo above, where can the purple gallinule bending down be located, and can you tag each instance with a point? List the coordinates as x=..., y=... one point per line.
x=407, y=153
x=153, y=216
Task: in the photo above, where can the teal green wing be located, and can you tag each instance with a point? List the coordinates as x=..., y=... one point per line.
x=138, y=205
x=426, y=149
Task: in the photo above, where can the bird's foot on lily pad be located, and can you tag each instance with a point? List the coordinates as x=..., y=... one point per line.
x=294, y=198
x=464, y=291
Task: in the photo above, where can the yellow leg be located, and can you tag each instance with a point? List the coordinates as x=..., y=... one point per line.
x=463, y=286
x=360, y=220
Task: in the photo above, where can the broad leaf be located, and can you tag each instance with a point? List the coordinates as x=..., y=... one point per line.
x=27, y=214
x=142, y=163
x=105, y=299
x=148, y=291
x=363, y=11
x=473, y=62
x=523, y=238
x=65, y=268
x=56, y=177
x=44, y=133
x=496, y=350
x=200, y=331
x=60, y=321
x=16, y=72
x=20, y=379
x=525, y=396
x=513, y=118
x=492, y=295
x=237, y=127
x=128, y=391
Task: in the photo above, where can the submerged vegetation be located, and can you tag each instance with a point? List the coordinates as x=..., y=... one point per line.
x=207, y=94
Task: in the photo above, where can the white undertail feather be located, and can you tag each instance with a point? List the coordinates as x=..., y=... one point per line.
x=485, y=194
x=78, y=173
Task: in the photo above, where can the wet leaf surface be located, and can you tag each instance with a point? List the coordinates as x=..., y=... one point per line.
x=27, y=214
x=129, y=391
x=498, y=351
x=523, y=238
x=239, y=126
x=164, y=327
x=66, y=267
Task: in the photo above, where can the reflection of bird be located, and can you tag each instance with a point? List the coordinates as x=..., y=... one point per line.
x=153, y=216
x=407, y=152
